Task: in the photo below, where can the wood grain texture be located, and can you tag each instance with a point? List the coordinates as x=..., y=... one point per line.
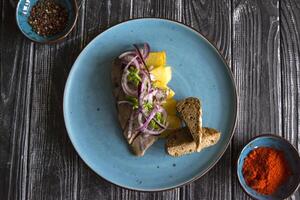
x=257, y=70
x=259, y=39
x=290, y=56
x=213, y=20
x=15, y=89
x=163, y=9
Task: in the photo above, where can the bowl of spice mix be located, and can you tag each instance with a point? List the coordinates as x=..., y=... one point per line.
x=46, y=21
x=268, y=168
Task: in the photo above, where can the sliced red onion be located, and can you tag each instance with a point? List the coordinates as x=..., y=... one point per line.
x=138, y=66
x=153, y=132
x=126, y=54
x=124, y=81
x=143, y=84
x=160, y=95
x=160, y=124
x=133, y=60
x=149, y=96
x=144, y=125
x=146, y=50
x=146, y=84
x=141, y=91
x=142, y=58
x=164, y=114
x=121, y=102
x=147, y=77
x=145, y=93
x=125, y=86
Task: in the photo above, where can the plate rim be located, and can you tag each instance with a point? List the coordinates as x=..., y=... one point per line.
x=235, y=95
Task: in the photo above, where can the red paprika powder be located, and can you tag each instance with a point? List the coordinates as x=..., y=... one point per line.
x=265, y=169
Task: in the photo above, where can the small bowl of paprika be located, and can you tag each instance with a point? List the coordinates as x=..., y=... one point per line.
x=268, y=168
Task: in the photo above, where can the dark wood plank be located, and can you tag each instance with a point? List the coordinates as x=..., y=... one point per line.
x=37, y=160
x=52, y=163
x=256, y=66
x=15, y=89
x=213, y=20
x=290, y=66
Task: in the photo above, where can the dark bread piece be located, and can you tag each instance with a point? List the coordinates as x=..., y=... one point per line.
x=181, y=142
x=191, y=112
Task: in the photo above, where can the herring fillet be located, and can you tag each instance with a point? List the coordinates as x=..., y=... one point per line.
x=139, y=143
x=125, y=109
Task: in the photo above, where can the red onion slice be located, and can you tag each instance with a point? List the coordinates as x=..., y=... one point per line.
x=124, y=81
x=164, y=126
x=125, y=86
x=153, y=132
x=126, y=54
x=145, y=51
x=133, y=60
x=122, y=102
x=144, y=125
x=145, y=93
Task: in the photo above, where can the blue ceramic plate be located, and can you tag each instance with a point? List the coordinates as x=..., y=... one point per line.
x=91, y=117
x=291, y=156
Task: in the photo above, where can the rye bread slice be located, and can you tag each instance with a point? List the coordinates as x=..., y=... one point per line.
x=190, y=111
x=210, y=136
x=181, y=142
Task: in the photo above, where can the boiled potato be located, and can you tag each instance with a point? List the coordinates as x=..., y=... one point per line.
x=171, y=93
x=170, y=106
x=162, y=75
x=156, y=59
x=174, y=121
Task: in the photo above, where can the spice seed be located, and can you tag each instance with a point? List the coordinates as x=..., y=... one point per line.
x=48, y=18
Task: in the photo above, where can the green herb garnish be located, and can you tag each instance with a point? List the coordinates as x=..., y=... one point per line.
x=158, y=117
x=153, y=124
x=134, y=76
x=148, y=106
x=134, y=101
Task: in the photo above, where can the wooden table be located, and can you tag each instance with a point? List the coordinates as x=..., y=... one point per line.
x=259, y=38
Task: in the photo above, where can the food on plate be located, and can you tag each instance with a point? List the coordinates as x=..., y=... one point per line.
x=190, y=111
x=156, y=59
x=147, y=109
x=182, y=142
x=193, y=137
x=140, y=79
